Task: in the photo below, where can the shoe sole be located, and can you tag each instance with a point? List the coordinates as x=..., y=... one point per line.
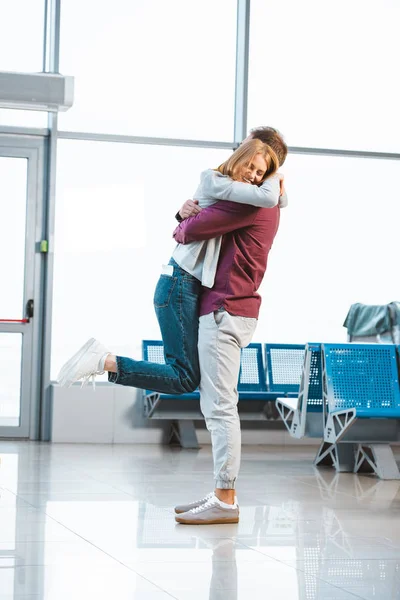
x=212, y=522
x=64, y=378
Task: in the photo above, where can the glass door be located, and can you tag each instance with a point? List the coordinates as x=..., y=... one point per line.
x=21, y=201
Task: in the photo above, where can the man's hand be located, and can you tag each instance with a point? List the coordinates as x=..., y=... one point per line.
x=189, y=209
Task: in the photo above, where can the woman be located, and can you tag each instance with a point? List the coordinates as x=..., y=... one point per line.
x=248, y=177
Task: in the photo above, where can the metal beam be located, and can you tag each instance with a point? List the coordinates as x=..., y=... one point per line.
x=29, y=131
x=132, y=139
x=242, y=70
x=344, y=153
x=52, y=56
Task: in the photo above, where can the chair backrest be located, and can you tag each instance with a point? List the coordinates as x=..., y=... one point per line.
x=315, y=390
x=310, y=396
x=251, y=375
x=362, y=376
x=153, y=351
x=284, y=366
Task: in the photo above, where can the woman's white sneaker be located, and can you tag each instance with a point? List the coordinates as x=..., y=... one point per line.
x=84, y=364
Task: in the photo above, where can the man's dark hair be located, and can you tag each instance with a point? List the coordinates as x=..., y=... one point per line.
x=273, y=138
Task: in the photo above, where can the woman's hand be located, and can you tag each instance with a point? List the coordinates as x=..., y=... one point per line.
x=281, y=183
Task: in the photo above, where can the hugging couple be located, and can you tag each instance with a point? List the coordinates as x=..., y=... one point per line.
x=207, y=305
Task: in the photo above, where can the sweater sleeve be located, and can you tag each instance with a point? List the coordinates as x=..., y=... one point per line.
x=216, y=220
x=283, y=201
x=221, y=187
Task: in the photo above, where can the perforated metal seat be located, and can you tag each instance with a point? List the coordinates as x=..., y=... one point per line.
x=251, y=375
x=363, y=377
x=252, y=384
x=362, y=395
x=284, y=367
x=153, y=351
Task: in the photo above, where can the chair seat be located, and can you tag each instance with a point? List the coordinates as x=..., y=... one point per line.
x=187, y=396
x=267, y=396
x=243, y=396
x=291, y=403
x=373, y=413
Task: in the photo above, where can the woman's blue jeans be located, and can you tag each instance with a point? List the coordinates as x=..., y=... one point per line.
x=176, y=302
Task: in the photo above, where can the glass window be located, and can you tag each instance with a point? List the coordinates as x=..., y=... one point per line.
x=154, y=68
x=325, y=73
x=337, y=245
x=21, y=49
x=21, y=35
x=115, y=209
x=10, y=376
x=23, y=118
x=13, y=178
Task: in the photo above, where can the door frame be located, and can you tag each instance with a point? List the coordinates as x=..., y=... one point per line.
x=34, y=149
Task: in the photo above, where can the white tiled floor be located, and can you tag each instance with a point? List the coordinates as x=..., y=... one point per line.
x=82, y=522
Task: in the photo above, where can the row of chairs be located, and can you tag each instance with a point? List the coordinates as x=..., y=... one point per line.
x=347, y=395
x=267, y=372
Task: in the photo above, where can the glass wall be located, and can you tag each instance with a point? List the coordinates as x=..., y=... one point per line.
x=325, y=72
x=154, y=68
x=337, y=245
x=21, y=35
x=21, y=49
x=114, y=221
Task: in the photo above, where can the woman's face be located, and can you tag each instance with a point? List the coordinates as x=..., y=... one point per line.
x=254, y=171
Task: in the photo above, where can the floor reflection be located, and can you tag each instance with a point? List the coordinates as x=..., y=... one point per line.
x=98, y=522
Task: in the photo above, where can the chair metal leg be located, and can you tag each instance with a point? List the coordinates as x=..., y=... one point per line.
x=184, y=432
x=339, y=456
x=378, y=459
x=337, y=424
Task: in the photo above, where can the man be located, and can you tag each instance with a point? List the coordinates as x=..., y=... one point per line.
x=228, y=318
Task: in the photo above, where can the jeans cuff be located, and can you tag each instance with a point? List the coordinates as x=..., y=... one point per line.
x=222, y=484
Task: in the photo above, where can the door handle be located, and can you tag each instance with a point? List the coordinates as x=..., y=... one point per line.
x=29, y=309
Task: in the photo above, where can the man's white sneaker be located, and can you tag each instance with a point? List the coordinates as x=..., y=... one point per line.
x=182, y=508
x=84, y=364
x=212, y=512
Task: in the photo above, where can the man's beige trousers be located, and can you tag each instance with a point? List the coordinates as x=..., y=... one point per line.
x=221, y=336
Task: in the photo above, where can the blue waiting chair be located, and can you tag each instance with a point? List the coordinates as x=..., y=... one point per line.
x=362, y=400
x=302, y=411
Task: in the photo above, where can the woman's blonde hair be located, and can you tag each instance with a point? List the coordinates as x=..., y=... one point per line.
x=245, y=154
